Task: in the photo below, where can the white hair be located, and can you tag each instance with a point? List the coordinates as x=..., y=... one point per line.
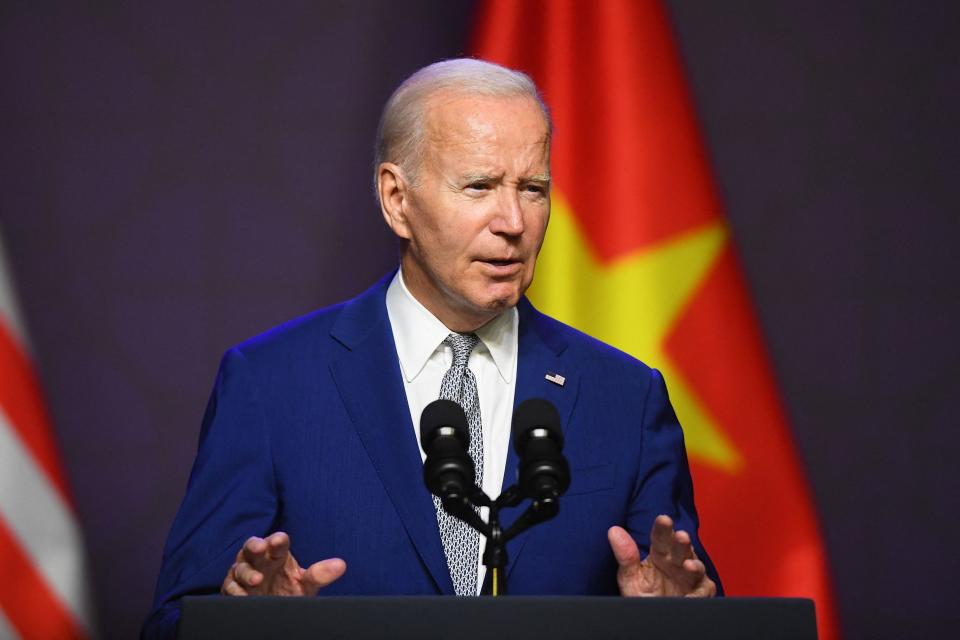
x=400, y=136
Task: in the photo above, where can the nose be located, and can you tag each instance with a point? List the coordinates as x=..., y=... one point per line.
x=508, y=218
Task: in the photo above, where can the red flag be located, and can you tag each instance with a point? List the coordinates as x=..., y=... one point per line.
x=43, y=592
x=638, y=254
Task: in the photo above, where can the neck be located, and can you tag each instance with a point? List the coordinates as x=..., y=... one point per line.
x=463, y=319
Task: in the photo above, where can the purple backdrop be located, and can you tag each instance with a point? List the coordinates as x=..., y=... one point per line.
x=177, y=179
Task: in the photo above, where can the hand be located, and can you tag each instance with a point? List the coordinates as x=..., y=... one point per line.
x=670, y=569
x=265, y=567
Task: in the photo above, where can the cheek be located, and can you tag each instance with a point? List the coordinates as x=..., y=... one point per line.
x=447, y=251
x=538, y=228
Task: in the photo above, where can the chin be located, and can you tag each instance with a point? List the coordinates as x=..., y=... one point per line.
x=502, y=300
x=501, y=304
x=494, y=298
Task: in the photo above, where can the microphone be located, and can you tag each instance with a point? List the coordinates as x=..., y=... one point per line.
x=537, y=438
x=448, y=470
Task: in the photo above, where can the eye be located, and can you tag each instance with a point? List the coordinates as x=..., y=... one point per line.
x=479, y=185
x=535, y=188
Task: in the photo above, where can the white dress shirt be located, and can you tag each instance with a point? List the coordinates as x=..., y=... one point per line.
x=424, y=359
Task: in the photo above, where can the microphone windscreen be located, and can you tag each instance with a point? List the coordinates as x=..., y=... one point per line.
x=443, y=413
x=536, y=413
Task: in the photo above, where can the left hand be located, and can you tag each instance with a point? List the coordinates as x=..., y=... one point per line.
x=670, y=569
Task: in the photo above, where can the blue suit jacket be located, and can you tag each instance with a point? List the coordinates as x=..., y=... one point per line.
x=308, y=431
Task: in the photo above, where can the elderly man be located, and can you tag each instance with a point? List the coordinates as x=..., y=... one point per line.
x=309, y=476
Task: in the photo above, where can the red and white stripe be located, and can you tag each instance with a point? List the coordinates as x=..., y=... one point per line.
x=43, y=580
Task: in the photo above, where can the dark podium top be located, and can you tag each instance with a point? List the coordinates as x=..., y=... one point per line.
x=526, y=617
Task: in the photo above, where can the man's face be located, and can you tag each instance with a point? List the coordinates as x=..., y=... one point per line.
x=476, y=219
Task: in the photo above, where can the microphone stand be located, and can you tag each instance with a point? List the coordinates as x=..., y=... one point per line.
x=495, y=554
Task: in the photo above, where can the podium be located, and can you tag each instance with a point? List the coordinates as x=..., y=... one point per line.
x=504, y=618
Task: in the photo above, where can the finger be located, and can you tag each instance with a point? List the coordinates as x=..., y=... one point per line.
x=695, y=571
x=253, y=549
x=661, y=535
x=246, y=575
x=267, y=554
x=706, y=588
x=688, y=541
x=231, y=588
x=320, y=574
x=624, y=547
x=278, y=546
x=689, y=576
x=680, y=548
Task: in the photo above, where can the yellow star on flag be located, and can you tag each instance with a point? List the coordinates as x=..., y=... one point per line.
x=632, y=304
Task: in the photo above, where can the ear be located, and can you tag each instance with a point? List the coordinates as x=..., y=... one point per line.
x=394, y=193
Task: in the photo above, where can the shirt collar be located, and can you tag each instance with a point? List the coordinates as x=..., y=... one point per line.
x=418, y=333
x=499, y=336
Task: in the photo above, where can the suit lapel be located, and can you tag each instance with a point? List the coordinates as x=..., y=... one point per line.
x=541, y=352
x=368, y=378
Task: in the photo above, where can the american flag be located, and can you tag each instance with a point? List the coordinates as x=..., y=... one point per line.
x=43, y=590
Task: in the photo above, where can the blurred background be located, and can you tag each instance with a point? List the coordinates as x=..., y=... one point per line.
x=177, y=178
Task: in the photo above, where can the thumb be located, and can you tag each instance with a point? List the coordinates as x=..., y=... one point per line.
x=624, y=547
x=320, y=574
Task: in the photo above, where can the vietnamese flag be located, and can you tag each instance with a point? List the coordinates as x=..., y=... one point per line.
x=638, y=254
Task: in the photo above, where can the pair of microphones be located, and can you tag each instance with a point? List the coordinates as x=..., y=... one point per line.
x=543, y=474
x=449, y=472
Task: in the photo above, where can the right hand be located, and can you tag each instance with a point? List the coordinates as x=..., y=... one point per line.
x=265, y=567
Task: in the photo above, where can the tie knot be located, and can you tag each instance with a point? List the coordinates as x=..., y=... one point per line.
x=462, y=345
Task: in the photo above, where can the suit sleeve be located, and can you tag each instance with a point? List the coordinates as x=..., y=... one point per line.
x=664, y=485
x=231, y=495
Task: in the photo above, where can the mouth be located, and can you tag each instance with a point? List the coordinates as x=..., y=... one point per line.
x=501, y=266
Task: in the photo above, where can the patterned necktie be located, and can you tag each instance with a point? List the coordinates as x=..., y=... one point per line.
x=461, y=543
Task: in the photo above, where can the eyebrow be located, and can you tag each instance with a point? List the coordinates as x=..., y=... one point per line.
x=477, y=177
x=540, y=177
x=543, y=178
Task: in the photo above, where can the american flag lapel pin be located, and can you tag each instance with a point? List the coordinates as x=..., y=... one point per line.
x=555, y=378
